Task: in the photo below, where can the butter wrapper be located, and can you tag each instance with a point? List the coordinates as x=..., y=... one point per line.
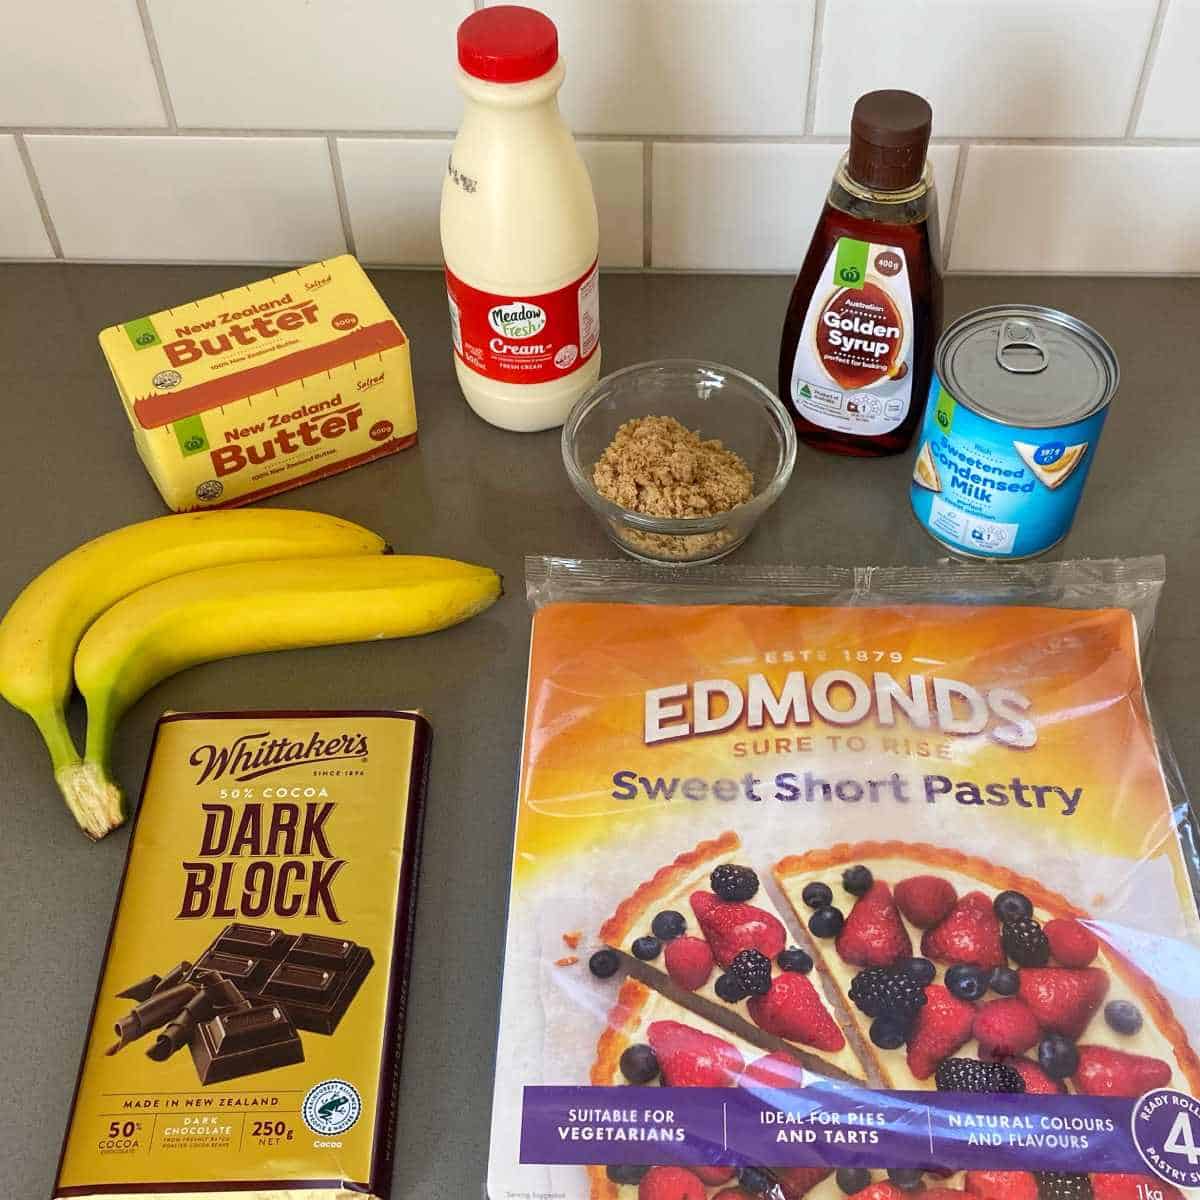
x=251, y=392
x=247, y=1030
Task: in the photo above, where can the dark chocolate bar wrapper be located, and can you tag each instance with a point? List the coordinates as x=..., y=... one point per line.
x=265, y=914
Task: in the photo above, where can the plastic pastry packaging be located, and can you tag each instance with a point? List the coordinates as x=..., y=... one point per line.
x=847, y=882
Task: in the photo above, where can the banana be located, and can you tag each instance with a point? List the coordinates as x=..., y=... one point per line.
x=220, y=612
x=39, y=633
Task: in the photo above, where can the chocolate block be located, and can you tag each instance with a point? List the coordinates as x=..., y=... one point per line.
x=317, y=981
x=245, y=1041
x=246, y=973
x=253, y=941
x=312, y=976
x=313, y=950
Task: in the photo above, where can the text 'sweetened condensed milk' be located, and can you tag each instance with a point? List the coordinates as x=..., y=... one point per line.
x=260, y=389
x=1019, y=398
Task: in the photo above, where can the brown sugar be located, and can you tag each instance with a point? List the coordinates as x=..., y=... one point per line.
x=656, y=466
x=660, y=468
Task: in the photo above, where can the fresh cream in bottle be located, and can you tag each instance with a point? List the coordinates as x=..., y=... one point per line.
x=519, y=233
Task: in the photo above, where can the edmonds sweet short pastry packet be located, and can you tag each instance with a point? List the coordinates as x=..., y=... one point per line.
x=847, y=883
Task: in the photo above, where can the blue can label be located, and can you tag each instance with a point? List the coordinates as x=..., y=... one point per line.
x=994, y=490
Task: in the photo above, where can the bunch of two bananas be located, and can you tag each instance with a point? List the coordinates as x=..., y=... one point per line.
x=124, y=611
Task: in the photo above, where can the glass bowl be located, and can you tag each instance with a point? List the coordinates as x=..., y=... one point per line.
x=715, y=401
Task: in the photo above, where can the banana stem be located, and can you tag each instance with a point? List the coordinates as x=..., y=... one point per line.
x=52, y=725
x=102, y=720
x=92, y=797
x=94, y=801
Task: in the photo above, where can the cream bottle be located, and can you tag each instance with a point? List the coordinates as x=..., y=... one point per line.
x=519, y=231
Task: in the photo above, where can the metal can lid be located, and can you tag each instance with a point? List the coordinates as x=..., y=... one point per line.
x=1022, y=364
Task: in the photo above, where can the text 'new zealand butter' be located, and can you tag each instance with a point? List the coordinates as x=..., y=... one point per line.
x=251, y=392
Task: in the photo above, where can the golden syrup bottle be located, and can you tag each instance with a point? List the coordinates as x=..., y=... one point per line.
x=865, y=313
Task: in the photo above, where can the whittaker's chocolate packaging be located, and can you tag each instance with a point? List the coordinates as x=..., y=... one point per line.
x=247, y=1030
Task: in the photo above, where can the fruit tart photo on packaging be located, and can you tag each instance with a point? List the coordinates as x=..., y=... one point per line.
x=847, y=882
x=247, y=1030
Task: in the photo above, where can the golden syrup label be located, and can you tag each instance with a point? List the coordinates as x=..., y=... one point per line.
x=251, y=392
x=853, y=366
x=245, y=1031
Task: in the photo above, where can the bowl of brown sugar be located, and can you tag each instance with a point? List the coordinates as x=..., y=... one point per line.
x=679, y=458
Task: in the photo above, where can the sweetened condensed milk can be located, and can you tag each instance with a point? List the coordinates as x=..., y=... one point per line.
x=1019, y=399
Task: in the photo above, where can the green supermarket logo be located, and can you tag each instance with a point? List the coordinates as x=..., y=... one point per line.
x=850, y=275
x=943, y=418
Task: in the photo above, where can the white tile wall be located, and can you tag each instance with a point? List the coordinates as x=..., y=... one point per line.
x=234, y=131
x=240, y=199
x=67, y=62
x=1172, y=104
x=685, y=66
x=394, y=187
x=730, y=207
x=1016, y=68
x=324, y=64
x=1079, y=209
x=22, y=234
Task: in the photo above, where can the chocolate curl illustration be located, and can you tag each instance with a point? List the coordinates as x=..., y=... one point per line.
x=150, y=1014
x=179, y=1031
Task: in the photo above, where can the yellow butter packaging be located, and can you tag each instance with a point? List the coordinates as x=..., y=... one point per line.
x=246, y=1033
x=254, y=391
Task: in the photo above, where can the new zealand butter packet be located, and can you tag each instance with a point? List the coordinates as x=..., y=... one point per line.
x=826, y=884
x=250, y=392
x=247, y=1030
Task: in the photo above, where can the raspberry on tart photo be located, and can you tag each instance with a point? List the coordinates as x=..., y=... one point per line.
x=705, y=930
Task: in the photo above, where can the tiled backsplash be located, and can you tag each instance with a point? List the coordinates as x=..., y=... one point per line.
x=1067, y=132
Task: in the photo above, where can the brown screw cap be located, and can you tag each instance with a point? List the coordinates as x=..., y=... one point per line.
x=889, y=134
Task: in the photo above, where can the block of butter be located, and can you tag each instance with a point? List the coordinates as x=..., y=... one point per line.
x=257, y=390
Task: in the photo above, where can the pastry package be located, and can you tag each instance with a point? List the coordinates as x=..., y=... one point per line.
x=847, y=882
x=247, y=1029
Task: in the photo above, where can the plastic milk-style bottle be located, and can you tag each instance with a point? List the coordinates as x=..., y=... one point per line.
x=519, y=232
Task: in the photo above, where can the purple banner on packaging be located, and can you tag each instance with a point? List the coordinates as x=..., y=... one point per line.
x=827, y=1124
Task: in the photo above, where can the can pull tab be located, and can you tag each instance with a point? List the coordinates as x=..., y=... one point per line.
x=1018, y=349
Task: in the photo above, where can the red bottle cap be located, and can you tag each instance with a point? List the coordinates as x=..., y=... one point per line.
x=507, y=44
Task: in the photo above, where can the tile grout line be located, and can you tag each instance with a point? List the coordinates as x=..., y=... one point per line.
x=39, y=197
x=1143, y=84
x=160, y=74
x=814, y=66
x=788, y=273
x=647, y=204
x=956, y=190
x=339, y=187
x=699, y=139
